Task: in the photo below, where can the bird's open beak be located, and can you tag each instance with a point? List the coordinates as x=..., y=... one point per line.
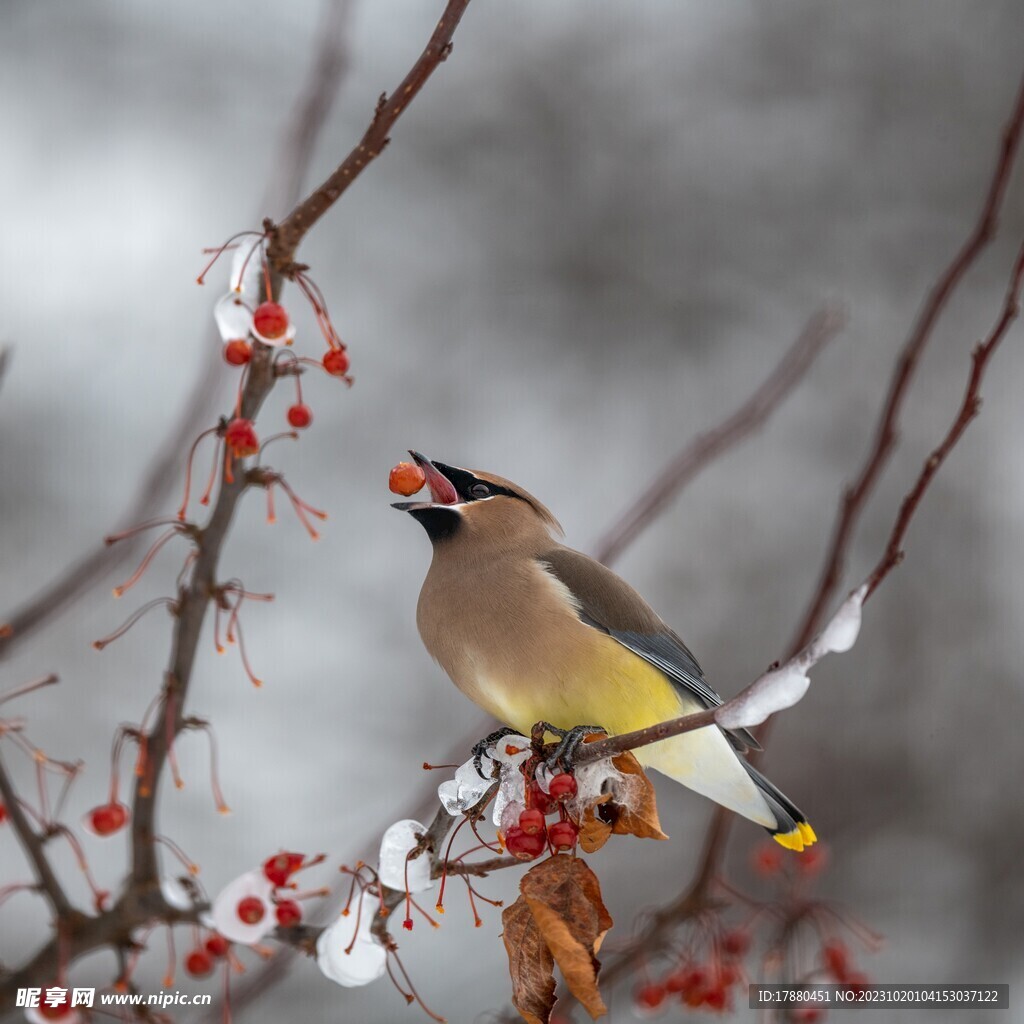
x=442, y=491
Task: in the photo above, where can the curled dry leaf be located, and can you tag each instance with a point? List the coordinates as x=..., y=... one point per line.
x=629, y=810
x=560, y=910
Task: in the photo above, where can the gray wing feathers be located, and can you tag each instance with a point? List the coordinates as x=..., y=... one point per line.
x=610, y=604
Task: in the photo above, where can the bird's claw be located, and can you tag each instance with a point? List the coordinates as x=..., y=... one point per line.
x=569, y=744
x=479, y=749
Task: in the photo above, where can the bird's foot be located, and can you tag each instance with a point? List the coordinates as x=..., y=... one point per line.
x=479, y=749
x=565, y=752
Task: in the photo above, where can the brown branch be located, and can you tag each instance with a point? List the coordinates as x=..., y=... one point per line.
x=969, y=409
x=305, y=124
x=851, y=506
x=286, y=236
x=822, y=327
x=33, y=845
x=142, y=903
x=886, y=432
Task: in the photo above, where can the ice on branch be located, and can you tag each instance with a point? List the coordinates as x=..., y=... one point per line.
x=347, y=952
x=397, y=869
x=243, y=911
x=467, y=788
x=782, y=687
x=233, y=316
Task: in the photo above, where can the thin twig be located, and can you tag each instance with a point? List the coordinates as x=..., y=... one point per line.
x=705, y=448
x=286, y=236
x=32, y=843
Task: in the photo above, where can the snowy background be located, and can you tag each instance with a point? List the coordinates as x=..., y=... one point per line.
x=593, y=234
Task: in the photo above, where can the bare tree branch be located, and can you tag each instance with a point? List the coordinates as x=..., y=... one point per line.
x=32, y=843
x=822, y=327
x=286, y=236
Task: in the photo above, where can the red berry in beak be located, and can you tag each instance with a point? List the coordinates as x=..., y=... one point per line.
x=406, y=479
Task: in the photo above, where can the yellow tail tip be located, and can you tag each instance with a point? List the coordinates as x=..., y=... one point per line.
x=806, y=833
x=790, y=840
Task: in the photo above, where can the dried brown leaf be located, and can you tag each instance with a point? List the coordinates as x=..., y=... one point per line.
x=564, y=896
x=530, y=963
x=641, y=817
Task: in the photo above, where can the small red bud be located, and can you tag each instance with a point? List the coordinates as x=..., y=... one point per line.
x=3, y=813
x=735, y=943
x=407, y=924
x=279, y=868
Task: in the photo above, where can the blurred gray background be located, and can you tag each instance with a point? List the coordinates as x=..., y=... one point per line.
x=592, y=236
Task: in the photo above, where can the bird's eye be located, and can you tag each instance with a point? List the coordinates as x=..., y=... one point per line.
x=480, y=491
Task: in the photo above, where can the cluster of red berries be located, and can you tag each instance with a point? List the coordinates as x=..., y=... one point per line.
x=532, y=835
x=270, y=321
x=201, y=961
x=701, y=986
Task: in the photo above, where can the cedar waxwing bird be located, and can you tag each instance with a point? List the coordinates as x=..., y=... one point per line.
x=533, y=631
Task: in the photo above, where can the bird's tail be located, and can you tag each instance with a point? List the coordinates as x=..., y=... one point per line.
x=705, y=761
x=792, y=830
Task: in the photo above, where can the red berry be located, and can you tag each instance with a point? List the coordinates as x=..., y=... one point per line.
x=812, y=860
x=728, y=974
x=691, y=984
x=536, y=797
x=336, y=362
x=300, y=416
x=407, y=924
x=240, y=437
x=562, y=787
x=49, y=1012
x=562, y=835
x=3, y=813
x=237, y=352
x=250, y=910
x=525, y=847
x=836, y=959
x=716, y=998
x=107, y=819
x=650, y=997
x=531, y=821
x=767, y=858
x=270, y=320
x=288, y=912
x=406, y=479
x=279, y=868
x=857, y=981
x=217, y=946
x=735, y=943
x=199, y=963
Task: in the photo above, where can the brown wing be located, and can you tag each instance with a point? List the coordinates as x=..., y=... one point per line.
x=610, y=604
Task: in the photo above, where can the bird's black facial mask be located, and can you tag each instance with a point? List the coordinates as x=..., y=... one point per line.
x=469, y=487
